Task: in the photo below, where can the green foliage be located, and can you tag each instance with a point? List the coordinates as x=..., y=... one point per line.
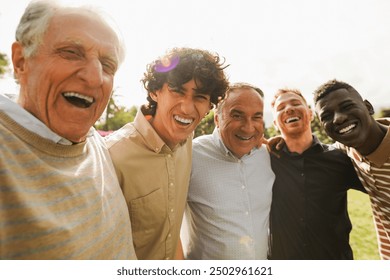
x=363, y=236
x=270, y=132
x=206, y=126
x=319, y=131
x=116, y=116
x=4, y=63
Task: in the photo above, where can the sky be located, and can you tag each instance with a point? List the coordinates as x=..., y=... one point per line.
x=270, y=43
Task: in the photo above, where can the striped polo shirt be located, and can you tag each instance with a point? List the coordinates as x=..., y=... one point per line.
x=374, y=172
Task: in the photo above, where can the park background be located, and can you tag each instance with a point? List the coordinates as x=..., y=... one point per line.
x=269, y=43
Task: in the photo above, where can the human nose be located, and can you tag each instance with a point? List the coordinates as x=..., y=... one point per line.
x=289, y=109
x=187, y=105
x=92, y=73
x=248, y=125
x=339, y=117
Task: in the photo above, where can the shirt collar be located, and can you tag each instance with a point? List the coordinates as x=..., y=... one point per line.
x=315, y=146
x=152, y=139
x=30, y=122
x=382, y=153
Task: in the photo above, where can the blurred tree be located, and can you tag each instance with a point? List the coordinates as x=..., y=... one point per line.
x=116, y=116
x=270, y=132
x=206, y=126
x=319, y=131
x=384, y=113
x=4, y=64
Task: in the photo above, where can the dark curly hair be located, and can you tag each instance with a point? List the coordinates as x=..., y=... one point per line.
x=180, y=65
x=328, y=87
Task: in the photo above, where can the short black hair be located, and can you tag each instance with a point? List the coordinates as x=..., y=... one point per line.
x=328, y=87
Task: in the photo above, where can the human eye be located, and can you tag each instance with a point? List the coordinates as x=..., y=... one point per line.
x=258, y=117
x=325, y=117
x=174, y=89
x=203, y=97
x=109, y=66
x=347, y=106
x=70, y=53
x=235, y=115
x=280, y=108
x=296, y=103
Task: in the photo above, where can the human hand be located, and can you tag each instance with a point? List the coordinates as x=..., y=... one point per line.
x=275, y=144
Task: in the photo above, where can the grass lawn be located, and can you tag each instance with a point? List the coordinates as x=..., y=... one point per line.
x=363, y=236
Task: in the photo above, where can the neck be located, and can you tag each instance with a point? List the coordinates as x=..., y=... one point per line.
x=161, y=132
x=374, y=139
x=298, y=143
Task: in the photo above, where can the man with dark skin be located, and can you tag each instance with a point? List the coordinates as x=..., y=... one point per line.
x=348, y=119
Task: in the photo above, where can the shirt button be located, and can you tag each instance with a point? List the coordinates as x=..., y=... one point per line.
x=167, y=258
x=171, y=210
x=302, y=174
x=156, y=149
x=169, y=155
x=247, y=213
x=242, y=187
x=171, y=184
x=169, y=235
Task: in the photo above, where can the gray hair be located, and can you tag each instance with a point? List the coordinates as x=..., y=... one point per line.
x=234, y=87
x=35, y=21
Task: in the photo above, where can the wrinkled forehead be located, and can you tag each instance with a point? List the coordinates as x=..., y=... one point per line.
x=87, y=24
x=287, y=98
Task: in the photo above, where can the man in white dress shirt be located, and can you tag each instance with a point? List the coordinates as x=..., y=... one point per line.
x=231, y=182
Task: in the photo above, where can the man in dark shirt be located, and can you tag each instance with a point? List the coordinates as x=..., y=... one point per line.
x=309, y=217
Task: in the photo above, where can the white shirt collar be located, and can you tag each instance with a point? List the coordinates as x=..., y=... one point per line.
x=28, y=121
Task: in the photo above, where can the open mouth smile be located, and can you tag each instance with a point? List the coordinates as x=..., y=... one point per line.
x=78, y=100
x=183, y=121
x=346, y=129
x=292, y=119
x=244, y=138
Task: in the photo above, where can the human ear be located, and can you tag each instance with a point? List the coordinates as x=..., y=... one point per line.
x=216, y=119
x=153, y=96
x=18, y=59
x=275, y=125
x=369, y=107
x=311, y=114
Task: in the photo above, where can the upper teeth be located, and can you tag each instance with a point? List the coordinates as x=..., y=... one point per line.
x=292, y=119
x=183, y=120
x=347, y=129
x=78, y=95
x=244, y=138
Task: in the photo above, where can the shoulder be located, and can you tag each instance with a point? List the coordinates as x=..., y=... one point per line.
x=202, y=141
x=118, y=136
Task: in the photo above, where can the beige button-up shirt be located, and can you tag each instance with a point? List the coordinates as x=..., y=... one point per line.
x=154, y=180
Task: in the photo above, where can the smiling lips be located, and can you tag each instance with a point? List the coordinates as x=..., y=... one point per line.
x=182, y=120
x=79, y=100
x=292, y=119
x=244, y=138
x=346, y=129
